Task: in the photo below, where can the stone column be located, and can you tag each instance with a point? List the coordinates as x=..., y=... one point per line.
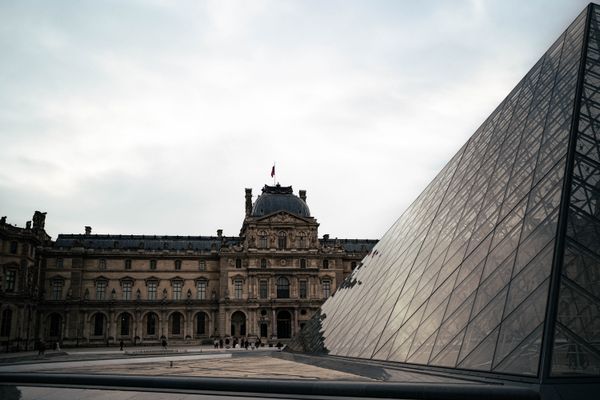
x=190, y=324
x=295, y=322
x=64, y=325
x=112, y=324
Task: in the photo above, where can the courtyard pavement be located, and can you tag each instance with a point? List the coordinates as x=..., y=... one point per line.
x=202, y=361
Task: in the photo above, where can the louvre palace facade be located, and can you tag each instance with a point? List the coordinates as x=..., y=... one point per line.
x=94, y=289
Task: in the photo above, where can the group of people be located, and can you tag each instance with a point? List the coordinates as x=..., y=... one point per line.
x=242, y=343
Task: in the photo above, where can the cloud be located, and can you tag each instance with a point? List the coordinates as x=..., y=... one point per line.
x=152, y=117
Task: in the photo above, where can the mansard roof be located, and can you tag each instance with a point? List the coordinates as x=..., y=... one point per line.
x=146, y=242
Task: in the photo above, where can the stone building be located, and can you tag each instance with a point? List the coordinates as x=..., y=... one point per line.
x=264, y=283
x=20, y=281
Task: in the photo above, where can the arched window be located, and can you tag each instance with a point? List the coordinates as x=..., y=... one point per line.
x=124, y=321
x=282, y=240
x=6, y=322
x=98, y=324
x=201, y=324
x=284, y=325
x=283, y=288
x=176, y=323
x=151, y=321
x=55, y=322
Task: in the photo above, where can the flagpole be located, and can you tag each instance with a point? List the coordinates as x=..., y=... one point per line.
x=274, y=173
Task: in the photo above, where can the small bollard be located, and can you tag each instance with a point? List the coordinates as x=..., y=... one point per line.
x=171, y=364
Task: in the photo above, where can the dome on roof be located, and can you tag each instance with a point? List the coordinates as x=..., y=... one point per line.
x=279, y=198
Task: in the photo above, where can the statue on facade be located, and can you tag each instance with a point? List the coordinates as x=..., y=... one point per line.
x=39, y=220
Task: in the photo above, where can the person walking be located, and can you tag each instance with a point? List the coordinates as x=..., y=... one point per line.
x=42, y=348
x=121, y=344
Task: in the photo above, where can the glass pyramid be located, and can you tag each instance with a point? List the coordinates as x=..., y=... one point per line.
x=496, y=266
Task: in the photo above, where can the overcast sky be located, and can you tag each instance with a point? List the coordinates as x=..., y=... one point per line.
x=151, y=117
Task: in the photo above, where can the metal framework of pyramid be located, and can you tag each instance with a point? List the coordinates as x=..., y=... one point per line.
x=496, y=266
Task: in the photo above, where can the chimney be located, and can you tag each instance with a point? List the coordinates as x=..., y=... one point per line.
x=248, y=201
x=326, y=236
x=28, y=225
x=220, y=232
x=302, y=194
x=88, y=230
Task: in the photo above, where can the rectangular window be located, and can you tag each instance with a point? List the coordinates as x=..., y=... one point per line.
x=127, y=264
x=152, y=290
x=102, y=263
x=201, y=287
x=25, y=249
x=100, y=290
x=60, y=263
x=238, y=288
x=325, y=264
x=326, y=289
x=177, y=290
x=303, y=289
x=14, y=246
x=264, y=289
x=127, y=290
x=238, y=263
x=202, y=265
x=262, y=242
x=11, y=279
x=177, y=265
x=302, y=263
x=152, y=264
x=57, y=290
x=263, y=263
